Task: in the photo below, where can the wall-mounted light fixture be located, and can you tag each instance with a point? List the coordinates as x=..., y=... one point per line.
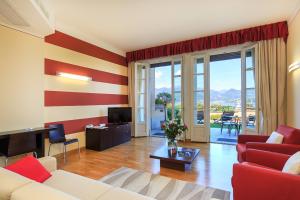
x=294, y=66
x=74, y=76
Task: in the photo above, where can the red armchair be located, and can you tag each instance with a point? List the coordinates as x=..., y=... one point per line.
x=290, y=144
x=260, y=178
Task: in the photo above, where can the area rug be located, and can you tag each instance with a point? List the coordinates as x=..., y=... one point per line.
x=161, y=187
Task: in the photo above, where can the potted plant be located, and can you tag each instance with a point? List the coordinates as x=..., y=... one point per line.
x=173, y=129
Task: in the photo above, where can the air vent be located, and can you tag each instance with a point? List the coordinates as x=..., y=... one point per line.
x=30, y=16
x=8, y=14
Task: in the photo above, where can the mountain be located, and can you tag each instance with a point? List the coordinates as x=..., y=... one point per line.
x=225, y=94
x=163, y=89
x=229, y=97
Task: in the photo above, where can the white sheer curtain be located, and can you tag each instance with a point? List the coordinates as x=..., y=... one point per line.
x=272, y=75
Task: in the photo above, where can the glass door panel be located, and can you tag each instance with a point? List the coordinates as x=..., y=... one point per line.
x=176, y=89
x=199, y=104
x=250, y=91
x=198, y=93
x=141, y=80
x=199, y=108
x=141, y=127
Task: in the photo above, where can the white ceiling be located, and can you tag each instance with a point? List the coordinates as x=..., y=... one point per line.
x=126, y=25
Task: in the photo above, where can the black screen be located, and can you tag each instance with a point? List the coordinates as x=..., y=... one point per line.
x=119, y=115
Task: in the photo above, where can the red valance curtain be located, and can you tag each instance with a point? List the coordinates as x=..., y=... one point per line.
x=264, y=32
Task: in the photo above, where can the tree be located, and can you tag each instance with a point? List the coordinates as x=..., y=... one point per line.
x=163, y=98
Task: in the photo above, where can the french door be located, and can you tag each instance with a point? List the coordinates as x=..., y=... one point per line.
x=145, y=94
x=165, y=92
x=141, y=99
x=250, y=114
x=200, y=90
x=200, y=99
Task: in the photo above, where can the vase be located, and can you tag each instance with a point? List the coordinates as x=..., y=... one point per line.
x=172, y=146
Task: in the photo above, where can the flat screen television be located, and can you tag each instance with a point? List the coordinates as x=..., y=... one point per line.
x=117, y=115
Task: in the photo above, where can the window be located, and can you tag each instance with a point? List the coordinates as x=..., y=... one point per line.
x=250, y=90
x=198, y=91
x=177, y=97
x=141, y=80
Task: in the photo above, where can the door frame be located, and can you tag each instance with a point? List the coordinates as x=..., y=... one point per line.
x=206, y=55
x=171, y=59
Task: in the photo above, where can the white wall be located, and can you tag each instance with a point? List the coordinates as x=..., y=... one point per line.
x=21, y=80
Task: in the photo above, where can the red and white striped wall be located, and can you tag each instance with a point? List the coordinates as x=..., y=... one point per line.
x=77, y=103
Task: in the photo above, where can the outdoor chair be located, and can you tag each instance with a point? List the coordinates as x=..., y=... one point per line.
x=226, y=120
x=251, y=120
x=200, y=117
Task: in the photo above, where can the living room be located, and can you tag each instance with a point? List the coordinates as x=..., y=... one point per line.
x=149, y=99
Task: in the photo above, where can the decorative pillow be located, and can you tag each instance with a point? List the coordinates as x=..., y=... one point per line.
x=31, y=168
x=292, y=165
x=275, y=138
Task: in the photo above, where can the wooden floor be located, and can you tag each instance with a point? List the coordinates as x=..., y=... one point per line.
x=213, y=166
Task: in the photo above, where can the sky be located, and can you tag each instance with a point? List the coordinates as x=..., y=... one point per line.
x=224, y=75
x=163, y=77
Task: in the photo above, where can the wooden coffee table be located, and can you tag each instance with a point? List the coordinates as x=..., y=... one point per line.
x=182, y=160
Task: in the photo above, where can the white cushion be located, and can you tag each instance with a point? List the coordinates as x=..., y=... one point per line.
x=37, y=191
x=275, y=138
x=292, y=165
x=49, y=163
x=118, y=193
x=77, y=186
x=9, y=182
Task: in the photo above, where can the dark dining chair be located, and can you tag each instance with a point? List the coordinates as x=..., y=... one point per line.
x=226, y=120
x=18, y=144
x=57, y=136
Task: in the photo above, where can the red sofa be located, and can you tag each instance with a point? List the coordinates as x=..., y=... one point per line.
x=290, y=144
x=260, y=178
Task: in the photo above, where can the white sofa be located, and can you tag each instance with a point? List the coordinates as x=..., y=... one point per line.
x=61, y=185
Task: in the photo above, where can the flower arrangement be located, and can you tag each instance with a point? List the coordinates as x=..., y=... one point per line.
x=174, y=128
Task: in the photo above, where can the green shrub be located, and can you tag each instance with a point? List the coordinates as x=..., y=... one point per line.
x=215, y=116
x=215, y=125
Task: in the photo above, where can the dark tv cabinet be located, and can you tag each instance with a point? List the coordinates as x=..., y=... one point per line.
x=101, y=139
